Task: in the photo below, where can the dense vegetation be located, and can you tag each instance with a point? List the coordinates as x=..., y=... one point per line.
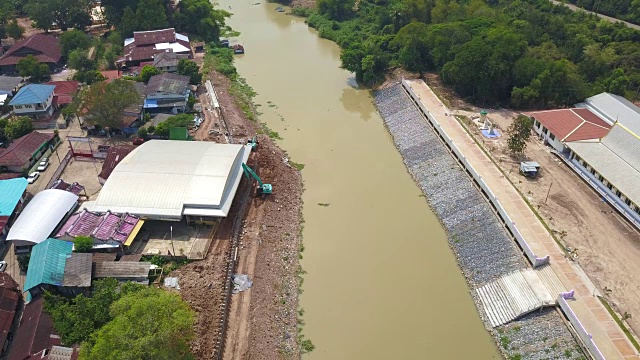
x=524, y=53
x=628, y=10
x=153, y=323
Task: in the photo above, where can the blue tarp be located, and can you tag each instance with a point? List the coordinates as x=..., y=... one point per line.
x=150, y=103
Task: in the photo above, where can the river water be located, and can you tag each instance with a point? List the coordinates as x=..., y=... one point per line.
x=382, y=282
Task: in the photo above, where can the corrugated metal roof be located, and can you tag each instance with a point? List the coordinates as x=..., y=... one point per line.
x=10, y=193
x=42, y=215
x=122, y=269
x=47, y=263
x=616, y=108
x=77, y=270
x=161, y=177
x=32, y=94
x=616, y=157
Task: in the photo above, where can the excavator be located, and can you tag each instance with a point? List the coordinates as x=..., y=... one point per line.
x=253, y=142
x=262, y=189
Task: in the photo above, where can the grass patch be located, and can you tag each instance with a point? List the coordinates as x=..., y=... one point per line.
x=505, y=341
x=297, y=166
x=620, y=323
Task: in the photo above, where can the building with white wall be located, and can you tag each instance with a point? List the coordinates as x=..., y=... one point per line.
x=557, y=127
x=35, y=100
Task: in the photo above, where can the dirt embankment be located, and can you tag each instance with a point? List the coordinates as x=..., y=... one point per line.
x=262, y=321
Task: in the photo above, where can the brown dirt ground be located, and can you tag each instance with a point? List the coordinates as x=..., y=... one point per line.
x=262, y=322
x=605, y=245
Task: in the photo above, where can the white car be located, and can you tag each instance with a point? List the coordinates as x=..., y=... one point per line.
x=3, y=266
x=43, y=166
x=33, y=177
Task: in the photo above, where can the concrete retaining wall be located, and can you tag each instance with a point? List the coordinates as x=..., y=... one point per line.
x=580, y=330
x=533, y=258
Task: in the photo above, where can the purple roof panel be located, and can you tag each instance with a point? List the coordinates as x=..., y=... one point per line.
x=103, y=227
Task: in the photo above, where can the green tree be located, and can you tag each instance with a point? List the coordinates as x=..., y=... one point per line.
x=336, y=9
x=79, y=60
x=88, y=77
x=114, y=10
x=83, y=244
x=191, y=69
x=151, y=15
x=103, y=103
x=414, y=49
x=143, y=133
x=129, y=22
x=182, y=120
x=519, y=132
x=17, y=127
x=77, y=319
x=201, y=18
x=155, y=324
x=64, y=13
x=74, y=40
x=147, y=72
x=31, y=68
x=14, y=30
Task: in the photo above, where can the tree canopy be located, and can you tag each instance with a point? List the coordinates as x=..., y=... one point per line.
x=519, y=132
x=30, y=67
x=147, y=72
x=16, y=127
x=73, y=40
x=153, y=323
x=83, y=244
x=525, y=53
x=105, y=103
x=77, y=319
x=182, y=120
x=190, y=68
x=64, y=13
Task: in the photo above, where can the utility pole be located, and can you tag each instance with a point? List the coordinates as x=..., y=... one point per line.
x=173, y=248
x=548, y=192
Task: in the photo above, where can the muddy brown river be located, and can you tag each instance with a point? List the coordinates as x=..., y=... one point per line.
x=381, y=280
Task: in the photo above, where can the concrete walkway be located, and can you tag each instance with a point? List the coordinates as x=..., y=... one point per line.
x=608, y=337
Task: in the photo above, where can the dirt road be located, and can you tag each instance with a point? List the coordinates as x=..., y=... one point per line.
x=262, y=321
x=605, y=17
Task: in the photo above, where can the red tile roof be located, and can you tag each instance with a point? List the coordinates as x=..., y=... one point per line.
x=7, y=176
x=114, y=156
x=21, y=149
x=35, y=332
x=572, y=124
x=154, y=37
x=64, y=91
x=45, y=48
x=111, y=75
x=9, y=296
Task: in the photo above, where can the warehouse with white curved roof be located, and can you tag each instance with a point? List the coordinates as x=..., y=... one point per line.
x=167, y=179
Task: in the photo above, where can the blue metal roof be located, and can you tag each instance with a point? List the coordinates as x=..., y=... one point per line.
x=32, y=94
x=47, y=262
x=10, y=193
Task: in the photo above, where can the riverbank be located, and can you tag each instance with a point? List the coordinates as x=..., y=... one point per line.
x=261, y=322
x=485, y=251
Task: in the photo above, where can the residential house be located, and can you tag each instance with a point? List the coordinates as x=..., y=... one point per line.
x=9, y=299
x=123, y=271
x=107, y=230
x=13, y=196
x=133, y=114
x=9, y=85
x=24, y=152
x=35, y=334
x=45, y=48
x=145, y=44
x=168, y=61
x=63, y=92
x=41, y=217
x=167, y=93
x=557, y=127
x=54, y=266
x=35, y=101
x=115, y=154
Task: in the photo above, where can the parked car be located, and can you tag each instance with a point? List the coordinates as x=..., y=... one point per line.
x=33, y=177
x=3, y=266
x=43, y=166
x=138, y=141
